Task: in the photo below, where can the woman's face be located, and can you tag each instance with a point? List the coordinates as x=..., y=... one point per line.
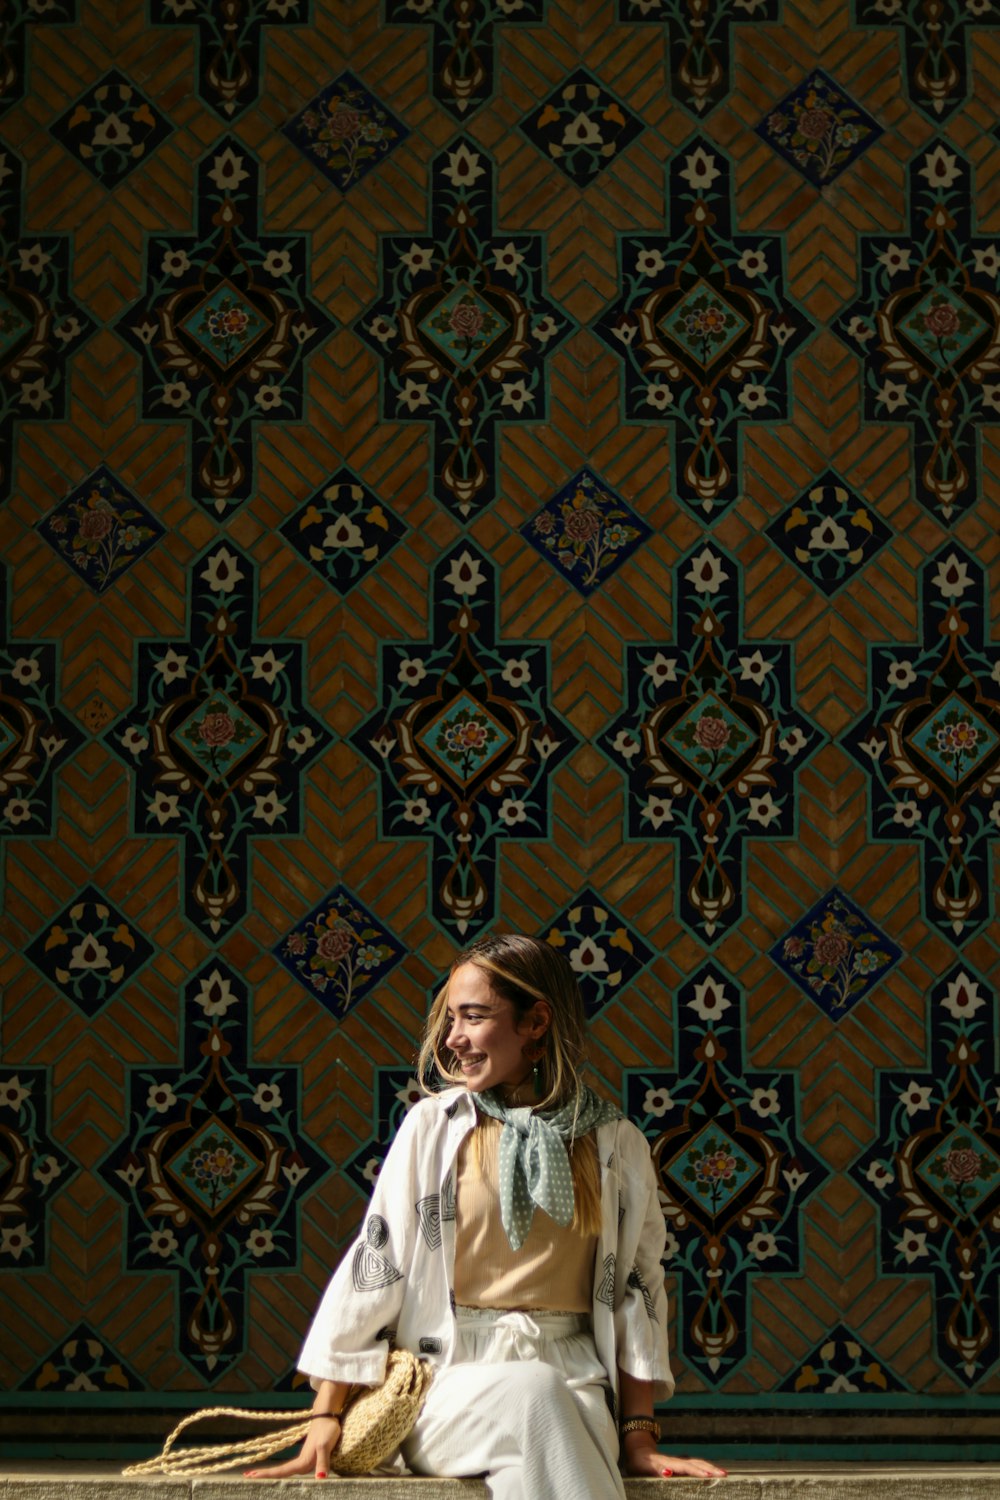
x=483, y=1032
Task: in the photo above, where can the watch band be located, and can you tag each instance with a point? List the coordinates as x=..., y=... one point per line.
x=641, y=1424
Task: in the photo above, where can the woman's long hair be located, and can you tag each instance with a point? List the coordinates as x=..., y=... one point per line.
x=525, y=970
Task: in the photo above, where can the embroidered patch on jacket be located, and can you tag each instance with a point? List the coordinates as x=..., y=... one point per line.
x=606, y=1290
x=377, y=1231
x=635, y=1280
x=448, y=1199
x=371, y=1271
x=429, y=1216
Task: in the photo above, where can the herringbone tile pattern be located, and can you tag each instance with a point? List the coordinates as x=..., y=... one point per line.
x=93, y=836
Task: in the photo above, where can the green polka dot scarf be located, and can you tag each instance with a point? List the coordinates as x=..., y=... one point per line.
x=534, y=1164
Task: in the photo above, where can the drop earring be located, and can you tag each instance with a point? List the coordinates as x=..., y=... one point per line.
x=535, y=1055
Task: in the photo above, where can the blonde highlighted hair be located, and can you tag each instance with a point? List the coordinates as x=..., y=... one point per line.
x=524, y=970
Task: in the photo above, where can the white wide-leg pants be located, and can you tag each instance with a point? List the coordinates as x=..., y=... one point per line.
x=524, y=1404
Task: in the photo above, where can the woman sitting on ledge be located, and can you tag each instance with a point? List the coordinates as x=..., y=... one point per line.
x=514, y=1239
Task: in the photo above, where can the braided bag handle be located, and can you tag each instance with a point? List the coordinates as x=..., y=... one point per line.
x=214, y=1458
x=376, y=1420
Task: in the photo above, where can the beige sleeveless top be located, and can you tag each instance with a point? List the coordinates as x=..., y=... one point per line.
x=552, y=1272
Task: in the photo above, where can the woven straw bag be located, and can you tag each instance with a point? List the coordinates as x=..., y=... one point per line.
x=376, y=1420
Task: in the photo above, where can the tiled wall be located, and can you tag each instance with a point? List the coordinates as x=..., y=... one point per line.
x=501, y=463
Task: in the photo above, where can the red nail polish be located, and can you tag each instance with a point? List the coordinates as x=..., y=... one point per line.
x=320, y=1473
x=668, y=1473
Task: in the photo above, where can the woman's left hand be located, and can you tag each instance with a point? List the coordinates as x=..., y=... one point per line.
x=643, y=1460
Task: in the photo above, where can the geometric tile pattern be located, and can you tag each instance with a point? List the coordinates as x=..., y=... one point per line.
x=343, y=531
x=936, y=59
x=112, y=128
x=462, y=327
x=603, y=952
x=330, y=339
x=90, y=950
x=82, y=1362
x=829, y=533
x=41, y=322
x=842, y=1365
x=219, y=739
x=700, y=55
x=223, y=326
x=581, y=127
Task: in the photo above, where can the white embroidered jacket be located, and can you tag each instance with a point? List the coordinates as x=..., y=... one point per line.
x=396, y=1279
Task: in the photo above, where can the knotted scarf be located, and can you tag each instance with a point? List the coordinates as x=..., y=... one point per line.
x=534, y=1164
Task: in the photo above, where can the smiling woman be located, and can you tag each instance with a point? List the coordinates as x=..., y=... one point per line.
x=514, y=1240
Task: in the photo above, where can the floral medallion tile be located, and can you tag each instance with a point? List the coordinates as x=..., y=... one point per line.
x=733, y=1171
x=42, y=326
x=604, y=953
x=586, y=531
x=582, y=127
x=82, y=1361
x=343, y=531
x=836, y=954
x=712, y=1167
x=819, y=128
x=963, y=1169
x=101, y=529
x=212, y=1169
x=89, y=951
x=704, y=327
x=462, y=327
x=345, y=131
x=112, y=128
x=224, y=327
x=926, y=329
x=225, y=324
x=841, y=1364
x=464, y=741
x=339, y=952
x=929, y=743
x=218, y=737
x=33, y=1168
x=829, y=532
x=958, y=740
x=710, y=742
x=933, y=1172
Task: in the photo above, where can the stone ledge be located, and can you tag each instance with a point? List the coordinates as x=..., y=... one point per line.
x=746, y=1481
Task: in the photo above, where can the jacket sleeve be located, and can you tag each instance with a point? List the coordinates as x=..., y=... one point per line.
x=349, y=1337
x=641, y=1335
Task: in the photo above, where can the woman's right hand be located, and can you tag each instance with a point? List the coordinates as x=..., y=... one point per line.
x=313, y=1457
